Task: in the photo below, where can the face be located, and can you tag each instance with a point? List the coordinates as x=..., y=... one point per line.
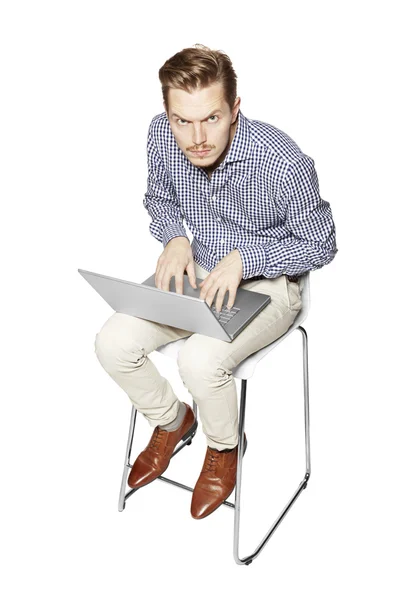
x=203, y=124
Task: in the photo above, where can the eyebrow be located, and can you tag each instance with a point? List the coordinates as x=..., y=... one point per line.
x=210, y=115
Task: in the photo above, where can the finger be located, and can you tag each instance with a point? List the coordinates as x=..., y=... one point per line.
x=220, y=298
x=205, y=286
x=166, y=279
x=191, y=274
x=207, y=283
x=211, y=294
x=202, y=282
x=179, y=282
x=159, y=275
x=232, y=298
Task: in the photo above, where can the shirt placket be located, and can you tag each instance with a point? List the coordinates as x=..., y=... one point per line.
x=215, y=184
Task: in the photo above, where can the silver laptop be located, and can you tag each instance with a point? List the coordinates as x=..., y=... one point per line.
x=185, y=311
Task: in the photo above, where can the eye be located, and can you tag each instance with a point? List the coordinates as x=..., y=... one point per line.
x=183, y=121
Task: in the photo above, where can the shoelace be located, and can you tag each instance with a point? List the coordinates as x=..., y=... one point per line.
x=213, y=458
x=157, y=437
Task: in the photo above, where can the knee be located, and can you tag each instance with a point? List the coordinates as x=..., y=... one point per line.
x=200, y=370
x=104, y=348
x=114, y=352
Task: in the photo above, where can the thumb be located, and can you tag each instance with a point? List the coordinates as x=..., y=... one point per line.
x=191, y=274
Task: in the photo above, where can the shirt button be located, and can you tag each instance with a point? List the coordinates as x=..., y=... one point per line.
x=222, y=241
x=218, y=218
x=213, y=197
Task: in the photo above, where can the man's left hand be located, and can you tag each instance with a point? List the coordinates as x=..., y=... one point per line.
x=227, y=275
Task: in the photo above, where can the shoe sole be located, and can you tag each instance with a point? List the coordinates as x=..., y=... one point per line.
x=189, y=432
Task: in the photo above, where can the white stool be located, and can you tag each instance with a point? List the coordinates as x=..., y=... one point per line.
x=243, y=371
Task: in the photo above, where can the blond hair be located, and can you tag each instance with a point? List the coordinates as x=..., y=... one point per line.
x=198, y=67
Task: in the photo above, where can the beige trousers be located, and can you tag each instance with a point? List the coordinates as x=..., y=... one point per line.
x=205, y=363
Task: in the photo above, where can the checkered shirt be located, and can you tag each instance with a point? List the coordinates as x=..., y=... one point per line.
x=263, y=199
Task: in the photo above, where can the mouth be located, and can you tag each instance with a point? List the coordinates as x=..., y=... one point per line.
x=202, y=153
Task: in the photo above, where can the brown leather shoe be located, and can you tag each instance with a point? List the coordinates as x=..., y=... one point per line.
x=155, y=458
x=216, y=482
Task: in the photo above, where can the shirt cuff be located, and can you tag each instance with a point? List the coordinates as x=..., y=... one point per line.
x=254, y=260
x=173, y=230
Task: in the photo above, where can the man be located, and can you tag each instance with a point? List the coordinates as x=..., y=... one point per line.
x=250, y=197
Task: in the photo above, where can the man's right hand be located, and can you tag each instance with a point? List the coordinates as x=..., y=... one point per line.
x=177, y=257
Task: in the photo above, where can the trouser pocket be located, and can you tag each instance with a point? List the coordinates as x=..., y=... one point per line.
x=293, y=294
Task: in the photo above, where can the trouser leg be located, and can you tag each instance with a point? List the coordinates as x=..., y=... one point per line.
x=206, y=364
x=122, y=347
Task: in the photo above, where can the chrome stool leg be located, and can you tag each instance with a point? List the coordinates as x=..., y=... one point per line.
x=127, y=465
x=303, y=484
x=123, y=495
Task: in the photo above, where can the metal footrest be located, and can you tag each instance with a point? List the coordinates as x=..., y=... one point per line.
x=125, y=495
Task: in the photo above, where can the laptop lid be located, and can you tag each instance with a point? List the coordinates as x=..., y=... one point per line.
x=185, y=311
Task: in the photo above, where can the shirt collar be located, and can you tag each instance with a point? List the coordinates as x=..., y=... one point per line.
x=242, y=145
x=241, y=148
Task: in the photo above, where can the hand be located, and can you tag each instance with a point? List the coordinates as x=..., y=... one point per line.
x=176, y=258
x=227, y=275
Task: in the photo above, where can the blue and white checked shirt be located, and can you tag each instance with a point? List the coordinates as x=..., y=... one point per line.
x=263, y=199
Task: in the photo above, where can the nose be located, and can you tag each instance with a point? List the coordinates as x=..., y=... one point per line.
x=199, y=135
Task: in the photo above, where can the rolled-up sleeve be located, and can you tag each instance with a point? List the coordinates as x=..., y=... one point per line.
x=160, y=199
x=310, y=241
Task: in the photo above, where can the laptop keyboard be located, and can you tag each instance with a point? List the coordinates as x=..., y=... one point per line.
x=225, y=315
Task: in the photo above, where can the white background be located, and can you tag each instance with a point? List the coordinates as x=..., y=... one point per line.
x=79, y=88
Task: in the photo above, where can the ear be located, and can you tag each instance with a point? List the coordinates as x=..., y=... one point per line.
x=236, y=108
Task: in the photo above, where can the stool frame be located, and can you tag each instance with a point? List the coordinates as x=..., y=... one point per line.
x=247, y=560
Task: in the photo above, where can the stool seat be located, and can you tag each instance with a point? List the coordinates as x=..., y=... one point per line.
x=247, y=367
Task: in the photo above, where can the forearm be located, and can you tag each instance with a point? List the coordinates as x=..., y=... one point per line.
x=310, y=241
x=160, y=199
x=290, y=257
x=165, y=228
